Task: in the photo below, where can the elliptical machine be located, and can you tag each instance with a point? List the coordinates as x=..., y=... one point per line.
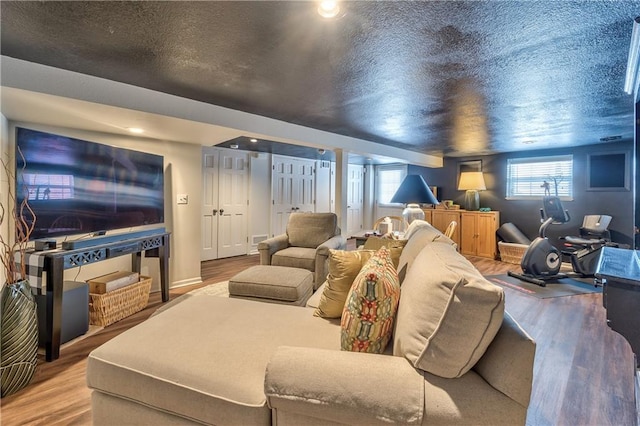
x=542, y=260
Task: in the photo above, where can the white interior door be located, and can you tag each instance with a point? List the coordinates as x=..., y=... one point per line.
x=304, y=186
x=283, y=173
x=209, y=205
x=293, y=189
x=233, y=199
x=355, y=195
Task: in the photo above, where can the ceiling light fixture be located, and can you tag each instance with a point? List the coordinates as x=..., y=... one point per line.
x=632, y=80
x=328, y=8
x=135, y=130
x=254, y=140
x=233, y=146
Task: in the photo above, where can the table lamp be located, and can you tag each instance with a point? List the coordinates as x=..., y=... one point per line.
x=412, y=191
x=472, y=182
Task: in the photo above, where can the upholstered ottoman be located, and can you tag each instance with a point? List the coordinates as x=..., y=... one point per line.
x=273, y=284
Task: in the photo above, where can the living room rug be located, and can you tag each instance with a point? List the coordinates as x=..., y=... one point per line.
x=557, y=288
x=220, y=289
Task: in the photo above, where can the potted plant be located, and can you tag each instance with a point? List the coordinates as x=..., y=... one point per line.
x=18, y=312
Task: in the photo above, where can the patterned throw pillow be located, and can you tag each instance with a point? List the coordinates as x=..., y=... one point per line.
x=367, y=319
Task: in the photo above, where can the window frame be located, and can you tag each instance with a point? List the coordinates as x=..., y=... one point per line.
x=539, y=159
x=389, y=167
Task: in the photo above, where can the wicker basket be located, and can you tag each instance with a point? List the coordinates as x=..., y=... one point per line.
x=107, y=308
x=512, y=252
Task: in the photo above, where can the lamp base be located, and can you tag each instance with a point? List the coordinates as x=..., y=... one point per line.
x=412, y=212
x=472, y=200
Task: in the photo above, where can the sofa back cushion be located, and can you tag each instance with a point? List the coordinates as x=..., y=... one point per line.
x=311, y=229
x=370, y=309
x=448, y=313
x=420, y=235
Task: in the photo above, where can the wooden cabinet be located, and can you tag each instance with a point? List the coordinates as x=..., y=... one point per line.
x=427, y=214
x=478, y=233
x=441, y=218
x=475, y=233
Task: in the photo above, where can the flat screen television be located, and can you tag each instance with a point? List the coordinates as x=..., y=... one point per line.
x=80, y=187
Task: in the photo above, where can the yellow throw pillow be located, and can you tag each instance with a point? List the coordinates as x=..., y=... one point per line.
x=375, y=243
x=367, y=319
x=344, y=267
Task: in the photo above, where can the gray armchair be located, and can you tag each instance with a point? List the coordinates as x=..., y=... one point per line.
x=305, y=245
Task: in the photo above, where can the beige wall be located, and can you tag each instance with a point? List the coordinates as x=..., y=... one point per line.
x=4, y=199
x=182, y=175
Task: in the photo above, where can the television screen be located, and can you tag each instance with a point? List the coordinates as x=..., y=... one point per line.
x=76, y=187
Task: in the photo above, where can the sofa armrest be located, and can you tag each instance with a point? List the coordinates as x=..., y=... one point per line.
x=507, y=364
x=344, y=387
x=271, y=245
x=337, y=242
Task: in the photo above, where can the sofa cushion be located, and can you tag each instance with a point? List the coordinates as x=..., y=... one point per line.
x=420, y=235
x=367, y=319
x=414, y=226
x=296, y=257
x=311, y=229
x=448, y=313
x=204, y=359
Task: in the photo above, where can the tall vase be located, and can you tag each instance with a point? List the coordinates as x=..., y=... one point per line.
x=19, y=333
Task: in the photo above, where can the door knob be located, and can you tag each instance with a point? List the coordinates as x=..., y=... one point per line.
x=221, y=211
x=215, y=212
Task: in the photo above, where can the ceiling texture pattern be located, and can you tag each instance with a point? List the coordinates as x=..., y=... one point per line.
x=438, y=77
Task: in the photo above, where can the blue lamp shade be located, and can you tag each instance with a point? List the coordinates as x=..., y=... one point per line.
x=413, y=191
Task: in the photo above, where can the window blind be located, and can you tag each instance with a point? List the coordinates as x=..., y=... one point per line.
x=526, y=177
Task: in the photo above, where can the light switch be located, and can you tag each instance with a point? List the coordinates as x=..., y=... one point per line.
x=183, y=199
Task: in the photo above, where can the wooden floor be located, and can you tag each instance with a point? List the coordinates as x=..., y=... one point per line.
x=583, y=372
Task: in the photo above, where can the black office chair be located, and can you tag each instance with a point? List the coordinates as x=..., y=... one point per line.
x=584, y=250
x=596, y=226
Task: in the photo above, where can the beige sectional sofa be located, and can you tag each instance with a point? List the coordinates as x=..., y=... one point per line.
x=456, y=358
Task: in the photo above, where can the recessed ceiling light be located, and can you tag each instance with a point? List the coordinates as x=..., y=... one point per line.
x=136, y=130
x=234, y=146
x=328, y=8
x=254, y=140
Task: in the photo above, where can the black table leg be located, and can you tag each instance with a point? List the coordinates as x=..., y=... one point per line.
x=163, y=255
x=54, y=309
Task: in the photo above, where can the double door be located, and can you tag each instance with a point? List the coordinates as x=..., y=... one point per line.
x=224, y=203
x=293, y=190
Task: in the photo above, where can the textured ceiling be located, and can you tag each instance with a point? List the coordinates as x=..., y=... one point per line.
x=441, y=77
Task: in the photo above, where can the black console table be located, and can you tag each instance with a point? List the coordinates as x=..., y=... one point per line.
x=54, y=262
x=619, y=270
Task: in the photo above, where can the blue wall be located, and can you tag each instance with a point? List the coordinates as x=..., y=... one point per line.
x=526, y=213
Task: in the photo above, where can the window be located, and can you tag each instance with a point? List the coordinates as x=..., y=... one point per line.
x=388, y=181
x=49, y=187
x=536, y=177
